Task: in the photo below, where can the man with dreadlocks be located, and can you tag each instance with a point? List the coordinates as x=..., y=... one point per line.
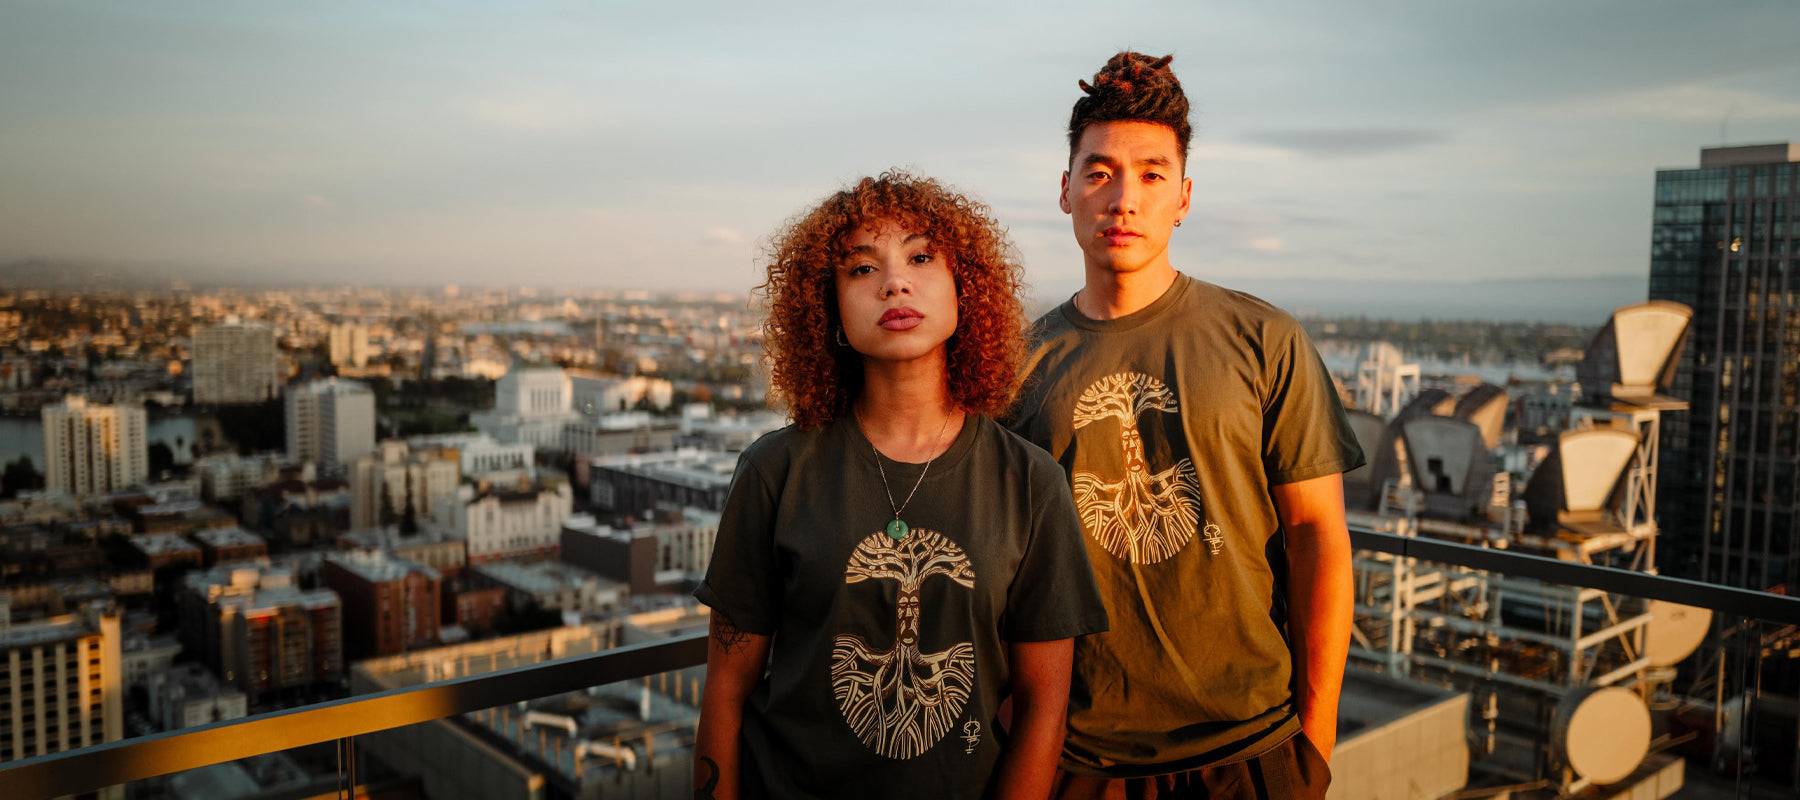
x=1205, y=445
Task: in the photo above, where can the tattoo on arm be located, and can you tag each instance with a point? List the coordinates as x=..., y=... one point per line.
x=712, y=780
x=730, y=637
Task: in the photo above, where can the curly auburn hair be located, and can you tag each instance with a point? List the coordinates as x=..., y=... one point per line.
x=1132, y=87
x=814, y=377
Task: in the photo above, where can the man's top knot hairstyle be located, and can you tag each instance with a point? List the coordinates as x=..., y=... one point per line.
x=1132, y=87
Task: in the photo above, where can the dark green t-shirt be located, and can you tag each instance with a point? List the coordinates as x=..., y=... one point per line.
x=1172, y=423
x=889, y=657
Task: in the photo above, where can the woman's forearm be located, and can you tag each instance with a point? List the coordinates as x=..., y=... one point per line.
x=734, y=664
x=716, y=752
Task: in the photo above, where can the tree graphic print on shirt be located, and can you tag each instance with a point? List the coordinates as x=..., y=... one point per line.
x=1141, y=516
x=901, y=701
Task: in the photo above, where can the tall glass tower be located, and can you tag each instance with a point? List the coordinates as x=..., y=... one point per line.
x=1726, y=241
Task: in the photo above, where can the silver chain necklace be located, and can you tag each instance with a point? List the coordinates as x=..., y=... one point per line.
x=897, y=529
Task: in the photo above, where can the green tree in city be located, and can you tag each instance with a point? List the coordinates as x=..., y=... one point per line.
x=20, y=476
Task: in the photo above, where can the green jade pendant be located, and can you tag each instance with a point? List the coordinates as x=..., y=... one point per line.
x=897, y=529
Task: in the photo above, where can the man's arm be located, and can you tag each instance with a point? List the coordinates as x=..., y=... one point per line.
x=1320, y=597
x=734, y=664
x=1040, y=702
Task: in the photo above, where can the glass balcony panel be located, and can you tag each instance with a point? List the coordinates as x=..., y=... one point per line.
x=1473, y=668
x=1568, y=690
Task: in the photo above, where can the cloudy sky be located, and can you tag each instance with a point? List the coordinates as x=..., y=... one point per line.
x=655, y=145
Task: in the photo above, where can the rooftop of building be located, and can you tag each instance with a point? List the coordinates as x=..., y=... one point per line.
x=458, y=440
x=333, y=386
x=700, y=469
x=1746, y=154
x=683, y=618
x=545, y=576
x=253, y=589
x=659, y=707
x=487, y=655
x=67, y=627
x=585, y=523
x=137, y=641
x=377, y=566
x=236, y=461
x=269, y=774
x=662, y=520
x=173, y=508
x=232, y=322
x=293, y=486
x=1371, y=699
x=156, y=544
x=389, y=537
x=621, y=421
x=231, y=536
x=77, y=402
x=270, y=600
x=196, y=681
x=512, y=493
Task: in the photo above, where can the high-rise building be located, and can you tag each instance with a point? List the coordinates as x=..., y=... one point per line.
x=531, y=406
x=635, y=483
x=330, y=422
x=61, y=682
x=480, y=455
x=234, y=362
x=667, y=554
x=592, y=394
x=348, y=343
x=384, y=483
x=189, y=695
x=1726, y=242
x=259, y=630
x=226, y=476
x=501, y=523
x=428, y=358
x=93, y=449
x=392, y=604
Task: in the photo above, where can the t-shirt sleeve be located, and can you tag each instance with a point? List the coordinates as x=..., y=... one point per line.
x=1053, y=594
x=1306, y=433
x=740, y=581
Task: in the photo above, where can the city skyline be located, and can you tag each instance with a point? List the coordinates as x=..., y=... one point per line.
x=653, y=148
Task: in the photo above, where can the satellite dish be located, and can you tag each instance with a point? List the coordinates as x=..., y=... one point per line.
x=1602, y=733
x=1450, y=466
x=1675, y=631
x=1484, y=405
x=1580, y=479
x=1634, y=355
x=1427, y=403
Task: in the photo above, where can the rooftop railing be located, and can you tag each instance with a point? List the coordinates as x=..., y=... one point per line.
x=93, y=768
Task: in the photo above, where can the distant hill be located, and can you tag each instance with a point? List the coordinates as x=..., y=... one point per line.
x=1580, y=301
x=62, y=275
x=54, y=275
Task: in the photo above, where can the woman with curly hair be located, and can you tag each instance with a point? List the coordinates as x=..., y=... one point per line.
x=894, y=564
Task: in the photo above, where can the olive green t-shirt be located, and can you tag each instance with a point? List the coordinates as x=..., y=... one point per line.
x=889, y=656
x=1172, y=424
